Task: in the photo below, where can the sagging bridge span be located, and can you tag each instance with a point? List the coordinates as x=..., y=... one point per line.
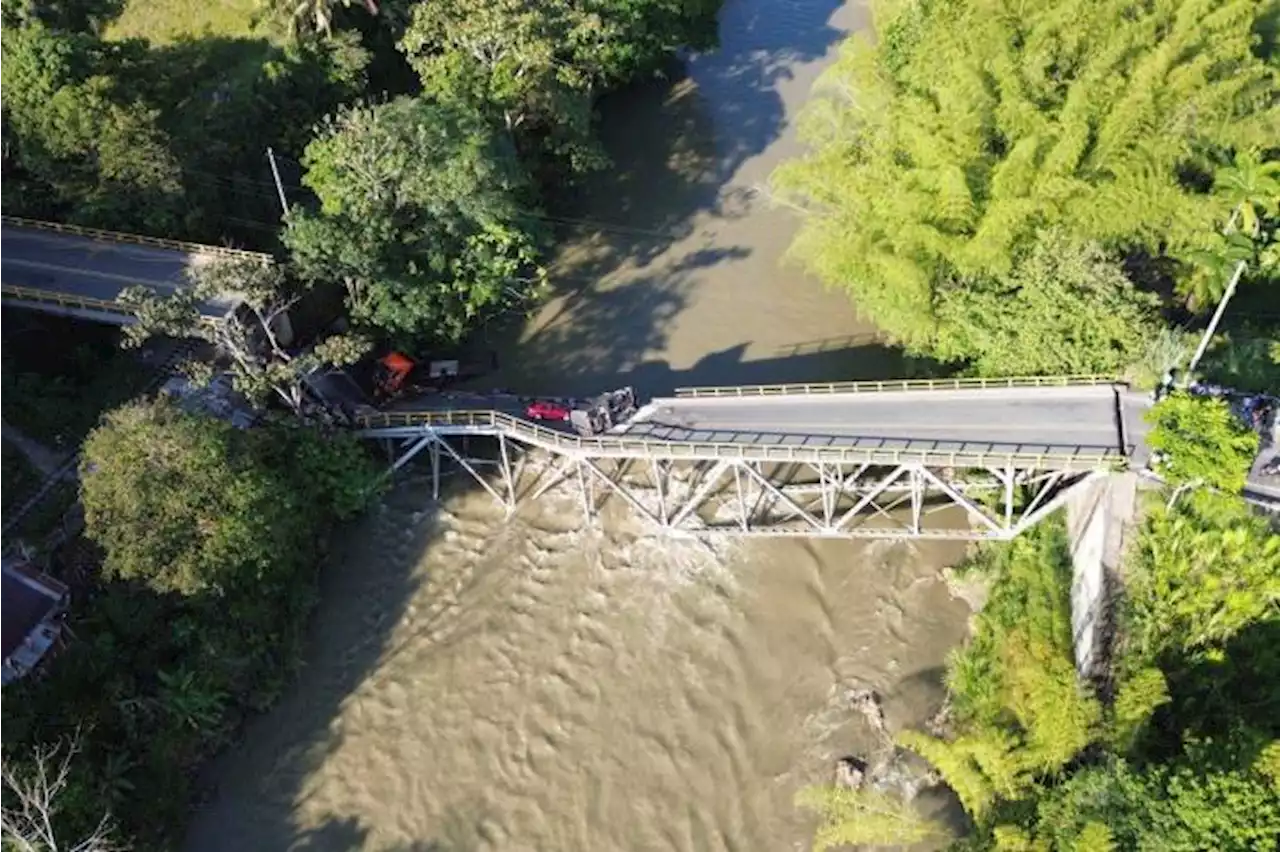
x=952, y=459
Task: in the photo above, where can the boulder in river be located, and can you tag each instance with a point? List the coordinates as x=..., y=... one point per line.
x=850, y=772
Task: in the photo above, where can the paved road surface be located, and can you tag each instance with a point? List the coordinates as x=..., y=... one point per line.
x=99, y=269
x=1023, y=419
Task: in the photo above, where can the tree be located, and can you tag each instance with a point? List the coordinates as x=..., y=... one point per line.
x=1200, y=575
x=420, y=218
x=863, y=817
x=177, y=501
x=538, y=66
x=33, y=787
x=941, y=153
x=1063, y=309
x=1200, y=441
x=99, y=150
x=1251, y=187
x=261, y=365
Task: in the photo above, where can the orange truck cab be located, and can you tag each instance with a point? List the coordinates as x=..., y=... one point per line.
x=393, y=371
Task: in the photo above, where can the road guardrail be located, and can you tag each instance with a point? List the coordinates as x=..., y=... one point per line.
x=895, y=385
x=136, y=239
x=65, y=300
x=404, y=423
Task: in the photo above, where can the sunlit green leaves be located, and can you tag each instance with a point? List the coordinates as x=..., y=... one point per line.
x=1201, y=441
x=421, y=218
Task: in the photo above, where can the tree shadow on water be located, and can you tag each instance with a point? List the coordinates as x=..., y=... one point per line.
x=341, y=834
x=258, y=794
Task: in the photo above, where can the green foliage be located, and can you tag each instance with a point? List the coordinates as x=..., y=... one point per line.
x=1138, y=696
x=1020, y=712
x=211, y=536
x=536, y=67
x=856, y=817
x=1064, y=309
x=1247, y=360
x=1093, y=837
x=420, y=218
x=176, y=501
x=261, y=366
x=1200, y=574
x=99, y=149
x=1179, y=807
x=940, y=154
x=1200, y=441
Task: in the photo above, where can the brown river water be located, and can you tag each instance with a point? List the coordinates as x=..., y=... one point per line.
x=481, y=683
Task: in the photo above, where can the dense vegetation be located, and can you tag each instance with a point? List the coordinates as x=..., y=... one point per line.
x=210, y=539
x=991, y=180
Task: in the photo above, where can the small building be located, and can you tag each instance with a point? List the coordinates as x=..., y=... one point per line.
x=31, y=608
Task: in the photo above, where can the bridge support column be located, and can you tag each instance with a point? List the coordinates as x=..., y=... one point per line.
x=1099, y=515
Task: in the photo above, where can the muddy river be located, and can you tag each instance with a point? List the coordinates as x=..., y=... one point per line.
x=482, y=683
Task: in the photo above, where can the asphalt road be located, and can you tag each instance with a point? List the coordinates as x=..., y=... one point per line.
x=99, y=269
x=1006, y=420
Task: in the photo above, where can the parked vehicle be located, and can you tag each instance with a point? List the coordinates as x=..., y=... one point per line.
x=543, y=409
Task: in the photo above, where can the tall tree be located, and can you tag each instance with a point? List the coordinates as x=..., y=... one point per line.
x=941, y=151
x=421, y=217
x=1063, y=309
x=538, y=66
x=75, y=130
x=1200, y=441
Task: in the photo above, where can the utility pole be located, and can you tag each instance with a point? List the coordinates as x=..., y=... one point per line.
x=1222, y=305
x=1217, y=315
x=284, y=205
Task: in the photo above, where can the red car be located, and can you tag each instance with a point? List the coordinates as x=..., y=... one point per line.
x=541, y=409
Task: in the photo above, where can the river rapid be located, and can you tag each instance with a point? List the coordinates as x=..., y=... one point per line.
x=474, y=682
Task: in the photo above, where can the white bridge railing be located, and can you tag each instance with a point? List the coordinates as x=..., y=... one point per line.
x=895, y=385
x=394, y=424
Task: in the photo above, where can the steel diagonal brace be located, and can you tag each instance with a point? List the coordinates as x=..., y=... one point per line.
x=418, y=446
x=772, y=489
x=704, y=490
x=558, y=474
x=471, y=470
x=871, y=495
x=1031, y=518
x=621, y=491
x=960, y=499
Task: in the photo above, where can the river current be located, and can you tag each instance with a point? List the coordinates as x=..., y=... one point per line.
x=474, y=682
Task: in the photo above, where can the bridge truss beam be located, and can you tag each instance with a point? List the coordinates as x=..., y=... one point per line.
x=744, y=497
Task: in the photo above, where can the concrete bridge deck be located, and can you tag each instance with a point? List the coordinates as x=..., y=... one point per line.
x=80, y=272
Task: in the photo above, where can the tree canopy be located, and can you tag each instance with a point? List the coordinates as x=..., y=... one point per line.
x=941, y=151
x=187, y=503
x=1064, y=309
x=419, y=217
x=1201, y=441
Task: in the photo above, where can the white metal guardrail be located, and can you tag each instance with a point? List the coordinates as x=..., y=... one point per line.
x=485, y=422
x=136, y=239
x=895, y=385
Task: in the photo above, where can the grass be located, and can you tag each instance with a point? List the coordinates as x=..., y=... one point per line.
x=166, y=21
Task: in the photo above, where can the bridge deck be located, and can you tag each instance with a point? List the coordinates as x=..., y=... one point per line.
x=79, y=272
x=1007, y=420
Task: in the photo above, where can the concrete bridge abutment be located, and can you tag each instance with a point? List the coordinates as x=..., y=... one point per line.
x=1101, y=519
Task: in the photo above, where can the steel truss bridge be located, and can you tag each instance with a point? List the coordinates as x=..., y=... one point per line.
x=957, y=459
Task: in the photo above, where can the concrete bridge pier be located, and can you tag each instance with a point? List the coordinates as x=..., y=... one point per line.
x=1100, y=519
